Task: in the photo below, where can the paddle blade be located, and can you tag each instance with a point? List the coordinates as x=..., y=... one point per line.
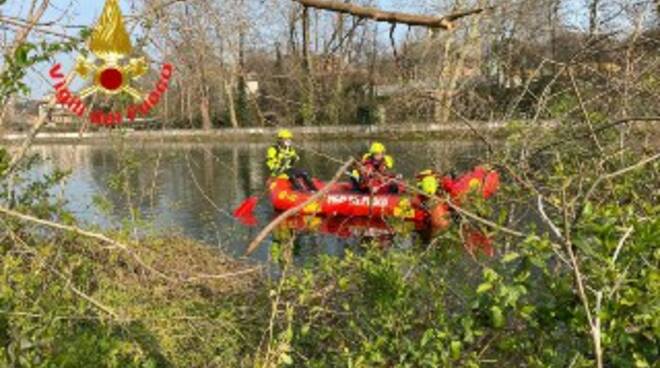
x=246, y=209
x=248, y=220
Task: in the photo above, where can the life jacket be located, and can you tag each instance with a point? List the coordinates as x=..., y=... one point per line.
x=280, y=159
x=366, y=175
x=370, y=165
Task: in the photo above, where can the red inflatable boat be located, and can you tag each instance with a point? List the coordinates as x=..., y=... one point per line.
x=343, y=201
x=346, y=227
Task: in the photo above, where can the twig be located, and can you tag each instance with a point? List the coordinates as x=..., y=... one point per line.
x=587, y=118
x=27, y=28
x=36, y=28
x=292, y=211
x=547, y=220
x=602, y=178
x=487, y=142
x=597, y=130
x=594, y=324
x=619, y=173
x=18, y=157
x=482, y=220
x=154, y=9
x=225, y=275
x=556, y=248
x=625, y=237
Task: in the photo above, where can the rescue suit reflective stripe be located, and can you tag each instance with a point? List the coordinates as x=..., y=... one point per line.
x=280, y=159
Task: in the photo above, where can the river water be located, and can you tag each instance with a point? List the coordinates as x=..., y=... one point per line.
x=192, y=188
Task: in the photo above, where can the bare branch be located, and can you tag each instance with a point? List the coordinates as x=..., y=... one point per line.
x=40, y=29
x=625, y=237
x=619, y=173
x=445, y=22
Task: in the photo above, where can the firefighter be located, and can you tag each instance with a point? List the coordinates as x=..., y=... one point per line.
x=374, y=170
x=429, y=183
x=281, y=159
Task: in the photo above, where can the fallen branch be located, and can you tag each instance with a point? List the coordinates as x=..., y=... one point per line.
x=85, y=233
x=200, y=277
x=292, y=211
x=125, y=248
x=445, y=22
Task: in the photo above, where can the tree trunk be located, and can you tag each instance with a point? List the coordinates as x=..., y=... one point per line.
x=452, y=69
x=167, y=108
x=292, y=30
x=189, y=107
x=204, y=109
x=593, y=17
x=305, y=47
x=182, y=103
x=442, y=93
x=229, y=90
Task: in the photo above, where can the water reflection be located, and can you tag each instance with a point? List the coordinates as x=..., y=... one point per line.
x=192, y=188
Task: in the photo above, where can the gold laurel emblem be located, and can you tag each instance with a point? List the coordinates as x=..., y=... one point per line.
x=110, y=43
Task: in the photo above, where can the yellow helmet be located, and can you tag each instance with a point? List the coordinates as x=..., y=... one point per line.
x=377, y=148
x=284, y=134
x=429, y=185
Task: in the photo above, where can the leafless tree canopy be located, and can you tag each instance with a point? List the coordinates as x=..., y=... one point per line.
x=311, y=62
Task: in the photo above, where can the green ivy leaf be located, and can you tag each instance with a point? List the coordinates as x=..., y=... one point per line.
x=21, y=55
x=510, y=257
x=484, y=287
x=497, y=316
x=490, y=275
x=455, y=347
x=286, y=359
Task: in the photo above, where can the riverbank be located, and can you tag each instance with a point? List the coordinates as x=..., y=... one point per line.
x=259, y=134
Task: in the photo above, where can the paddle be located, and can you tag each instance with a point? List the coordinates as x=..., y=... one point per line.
x=246, y=209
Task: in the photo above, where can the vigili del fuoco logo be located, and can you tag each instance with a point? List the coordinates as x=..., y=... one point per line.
x=109, y=74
